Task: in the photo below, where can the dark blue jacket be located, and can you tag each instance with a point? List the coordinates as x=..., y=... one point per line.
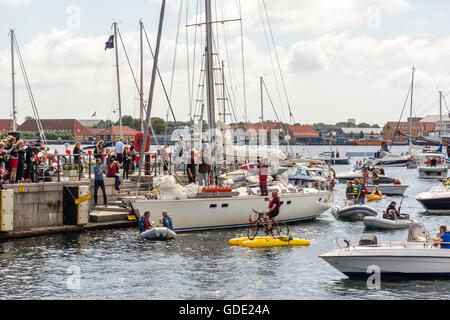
x=144, y=224
x=167, y=222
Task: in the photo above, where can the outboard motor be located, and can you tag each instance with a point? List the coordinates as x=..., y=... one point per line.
x=368, y=240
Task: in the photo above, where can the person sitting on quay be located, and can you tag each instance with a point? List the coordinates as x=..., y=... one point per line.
x=443, y=237
x=145, y=223
x=112, y=172
x=167, y=221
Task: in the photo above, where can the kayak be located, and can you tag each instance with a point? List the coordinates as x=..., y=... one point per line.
x=386, y=224
x=355, y=211
x=158, y=233
x=375, y=197
x=265, y=242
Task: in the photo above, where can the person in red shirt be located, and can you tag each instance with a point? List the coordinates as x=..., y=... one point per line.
x=112, y=171
x=263, y=173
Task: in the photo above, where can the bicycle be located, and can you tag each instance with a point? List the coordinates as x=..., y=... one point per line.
x=278, y=229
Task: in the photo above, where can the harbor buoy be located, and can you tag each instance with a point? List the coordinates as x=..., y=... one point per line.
x=265, y=242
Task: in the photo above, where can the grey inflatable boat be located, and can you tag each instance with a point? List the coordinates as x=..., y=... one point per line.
x=356, y=211
x=385, y=224
x=158, y=233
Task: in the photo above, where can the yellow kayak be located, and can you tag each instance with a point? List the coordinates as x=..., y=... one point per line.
x=264, y=242
x=374, y=197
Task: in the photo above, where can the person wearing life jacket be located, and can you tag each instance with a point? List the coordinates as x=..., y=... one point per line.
x=377, y=192
x=397, y=181
x=274, y=210
x=443, y=237
x=391, y=212
x=357, y=192
x=145, y=223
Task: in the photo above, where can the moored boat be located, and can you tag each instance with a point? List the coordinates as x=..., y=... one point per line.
x=417, y=258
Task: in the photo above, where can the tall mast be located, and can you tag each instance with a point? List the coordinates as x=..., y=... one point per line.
x=210, y=74
x=410, y=110
x=118, y=78
x=262, y=101
x=141, y=90
x=440, y=114
x=13, y=82
x=152, y=87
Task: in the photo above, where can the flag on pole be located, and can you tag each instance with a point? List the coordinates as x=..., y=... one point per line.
x=110, y=43
x=247, y=165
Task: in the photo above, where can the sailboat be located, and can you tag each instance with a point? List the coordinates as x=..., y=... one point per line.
x=218, y=210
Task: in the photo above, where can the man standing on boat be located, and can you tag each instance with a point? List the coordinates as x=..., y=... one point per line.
x=263, y=173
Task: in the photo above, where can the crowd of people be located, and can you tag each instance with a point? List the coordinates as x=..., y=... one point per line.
x=19, y=160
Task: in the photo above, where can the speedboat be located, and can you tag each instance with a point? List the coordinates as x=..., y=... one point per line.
x=356, y=211
x=417, y=258
x=428, y=170
x=389, y=189
x=306, y=177
x=388, y=159
x=436, y=200
x=386, y=224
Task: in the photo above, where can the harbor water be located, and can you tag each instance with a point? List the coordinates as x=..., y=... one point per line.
x=117, y=264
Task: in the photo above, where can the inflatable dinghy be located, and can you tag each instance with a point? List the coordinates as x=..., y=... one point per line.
x=386, y=224
x=265, y=242
x=158, y=233
x=355, y=211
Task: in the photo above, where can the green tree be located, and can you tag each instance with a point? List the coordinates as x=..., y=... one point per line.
x=361, y=135
x=159, y=125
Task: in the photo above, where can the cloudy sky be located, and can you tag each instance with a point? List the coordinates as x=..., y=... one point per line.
x=340, y=59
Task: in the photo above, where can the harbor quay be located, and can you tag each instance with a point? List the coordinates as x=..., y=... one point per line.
x=28, y=210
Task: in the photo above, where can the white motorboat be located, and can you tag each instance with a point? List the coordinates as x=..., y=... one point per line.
x=416, y=258
x=436, y=200
x=389, y=189
x=432, y=166
x=356, y=211
x=389, y=159
x=386, y=224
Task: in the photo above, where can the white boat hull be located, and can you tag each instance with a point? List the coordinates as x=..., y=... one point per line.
x=415, y=262
x=436, y=173
x=220, y=213
x=390, y=189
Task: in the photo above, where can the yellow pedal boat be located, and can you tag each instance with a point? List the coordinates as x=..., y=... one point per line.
x=265, y=242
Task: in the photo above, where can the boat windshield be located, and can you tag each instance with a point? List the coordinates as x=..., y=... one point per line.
x=440, y=188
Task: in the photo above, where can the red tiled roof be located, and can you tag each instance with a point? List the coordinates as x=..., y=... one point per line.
x=70, y=125
x=6, y=124
x=303, y=131
x=404, y=125
x=115, y=131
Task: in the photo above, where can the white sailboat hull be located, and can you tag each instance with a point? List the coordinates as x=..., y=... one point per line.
x=220, y=213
